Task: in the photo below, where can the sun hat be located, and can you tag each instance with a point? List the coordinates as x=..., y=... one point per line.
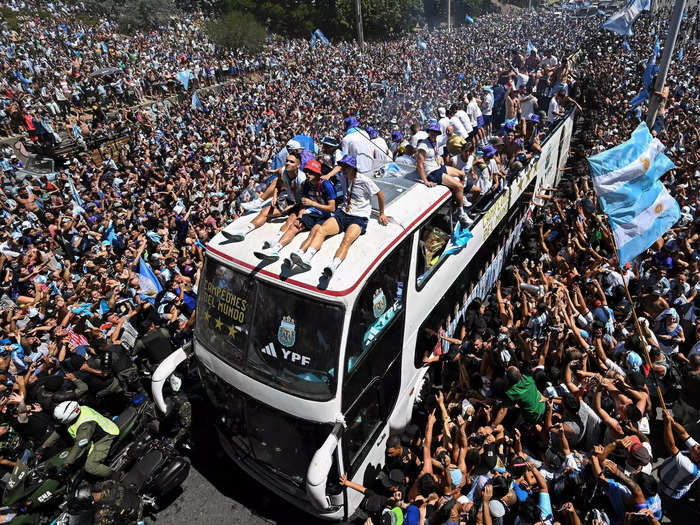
x=351, y=122
x=434, y=126
x=348, y=160
x=371, y=132
x=488, y=151
x=396, y=136
x=533, y=117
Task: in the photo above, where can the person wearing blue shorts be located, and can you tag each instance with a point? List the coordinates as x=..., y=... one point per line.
x=317, y=205
x=351, y=219
x=433, y=171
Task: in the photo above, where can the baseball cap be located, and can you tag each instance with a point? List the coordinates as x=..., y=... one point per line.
x=313, y=166
x=497, y=508
x=638, y=453
x=293, y=145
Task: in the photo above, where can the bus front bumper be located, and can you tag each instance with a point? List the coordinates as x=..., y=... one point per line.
x=288, y=491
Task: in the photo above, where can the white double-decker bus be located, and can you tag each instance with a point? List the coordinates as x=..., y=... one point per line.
x=310, y=377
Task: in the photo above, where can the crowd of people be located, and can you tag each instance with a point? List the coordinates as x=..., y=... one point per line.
x=547, y=410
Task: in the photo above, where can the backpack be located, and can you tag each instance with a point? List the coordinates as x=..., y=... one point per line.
x=338, y=188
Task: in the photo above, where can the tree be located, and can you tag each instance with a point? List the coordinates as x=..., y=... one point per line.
x=236, y=30
x=380, y=17
x=134, y=15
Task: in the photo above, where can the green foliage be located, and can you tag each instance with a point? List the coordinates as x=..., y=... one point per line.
x=381, y=18
x=9, y=17
x=236, y=30
x=134, y=15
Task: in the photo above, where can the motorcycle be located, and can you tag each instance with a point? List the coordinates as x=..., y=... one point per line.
x=157, y=472
x=35, y=486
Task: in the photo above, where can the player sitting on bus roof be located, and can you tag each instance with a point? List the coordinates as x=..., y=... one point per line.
x=432, y=170
x=318, y=202
x=351, y=218
x=286, y=197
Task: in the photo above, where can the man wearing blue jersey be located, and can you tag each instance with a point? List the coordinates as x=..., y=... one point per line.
x=318, y=203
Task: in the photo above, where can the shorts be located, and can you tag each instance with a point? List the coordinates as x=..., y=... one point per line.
x=487, y=120
x=480, y=121
x=345, y=220
x=309, y=220
x=436, y=175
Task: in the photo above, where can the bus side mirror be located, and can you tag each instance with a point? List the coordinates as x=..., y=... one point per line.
x=165, y=368
x=320, y=466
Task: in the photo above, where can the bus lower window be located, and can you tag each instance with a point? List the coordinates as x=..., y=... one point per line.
x=434, y=237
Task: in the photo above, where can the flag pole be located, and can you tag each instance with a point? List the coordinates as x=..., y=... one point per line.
x=669, y=44
x=636, y=321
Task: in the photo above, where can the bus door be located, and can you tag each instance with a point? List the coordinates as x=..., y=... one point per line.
x=372, y=379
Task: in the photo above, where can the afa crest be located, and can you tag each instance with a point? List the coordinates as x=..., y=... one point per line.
x=287, y=333
x=378, y=303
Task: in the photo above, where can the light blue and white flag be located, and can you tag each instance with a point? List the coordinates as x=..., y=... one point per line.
x=680, y=54
x=626, y=180
x=530, y=48
x=626, y=45
x=459, y=239
x=620, y=174
x=422, y=44
x=468, y=19
x=184, y=77
x=196, y=103
x=149, y=285
x=640, y=98
x=621, y=21
x=320, y=36
x=77, y=201
x=650, y=71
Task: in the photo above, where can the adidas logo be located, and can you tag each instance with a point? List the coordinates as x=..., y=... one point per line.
x=269, y=349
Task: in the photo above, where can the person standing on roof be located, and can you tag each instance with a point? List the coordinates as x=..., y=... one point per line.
x=357, y=143
x=432, y=170
x=351, y=218
x=318, y=202
x=382, y=155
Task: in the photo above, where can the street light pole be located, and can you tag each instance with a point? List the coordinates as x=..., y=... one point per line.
x=669, y=44
x=449, y=16
x=358, y=22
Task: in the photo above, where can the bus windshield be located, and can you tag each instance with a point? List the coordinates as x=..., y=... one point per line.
x=281, y=338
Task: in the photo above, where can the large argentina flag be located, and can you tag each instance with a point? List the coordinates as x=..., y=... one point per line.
x=626, y=179
x=621, y=21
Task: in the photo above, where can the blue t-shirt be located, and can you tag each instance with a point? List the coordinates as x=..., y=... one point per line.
x=321, y=192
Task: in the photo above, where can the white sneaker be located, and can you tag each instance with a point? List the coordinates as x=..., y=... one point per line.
x=267, y=254
x=465, y=202
x=465, y=220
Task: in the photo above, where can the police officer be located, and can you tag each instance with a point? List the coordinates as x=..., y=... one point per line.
x=91, y=431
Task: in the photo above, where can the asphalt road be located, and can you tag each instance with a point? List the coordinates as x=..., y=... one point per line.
x=217, y=491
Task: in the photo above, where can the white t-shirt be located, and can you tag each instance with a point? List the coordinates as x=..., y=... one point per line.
x=359, y=193
x=361, y=147
x=553, y=111
x=456, y=123
x=549, y=61
x=461, y=164
x=487, y=104
x=527, y=105
x=466, y=121
x=432, y=153
x=473, y=111
x=420, y=135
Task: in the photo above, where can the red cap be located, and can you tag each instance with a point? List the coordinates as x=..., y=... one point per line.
x=598, y=302
x=313, y=166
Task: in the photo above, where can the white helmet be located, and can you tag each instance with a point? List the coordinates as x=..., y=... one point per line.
x=66, y=412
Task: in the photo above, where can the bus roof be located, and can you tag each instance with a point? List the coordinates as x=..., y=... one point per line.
x=407, y=203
